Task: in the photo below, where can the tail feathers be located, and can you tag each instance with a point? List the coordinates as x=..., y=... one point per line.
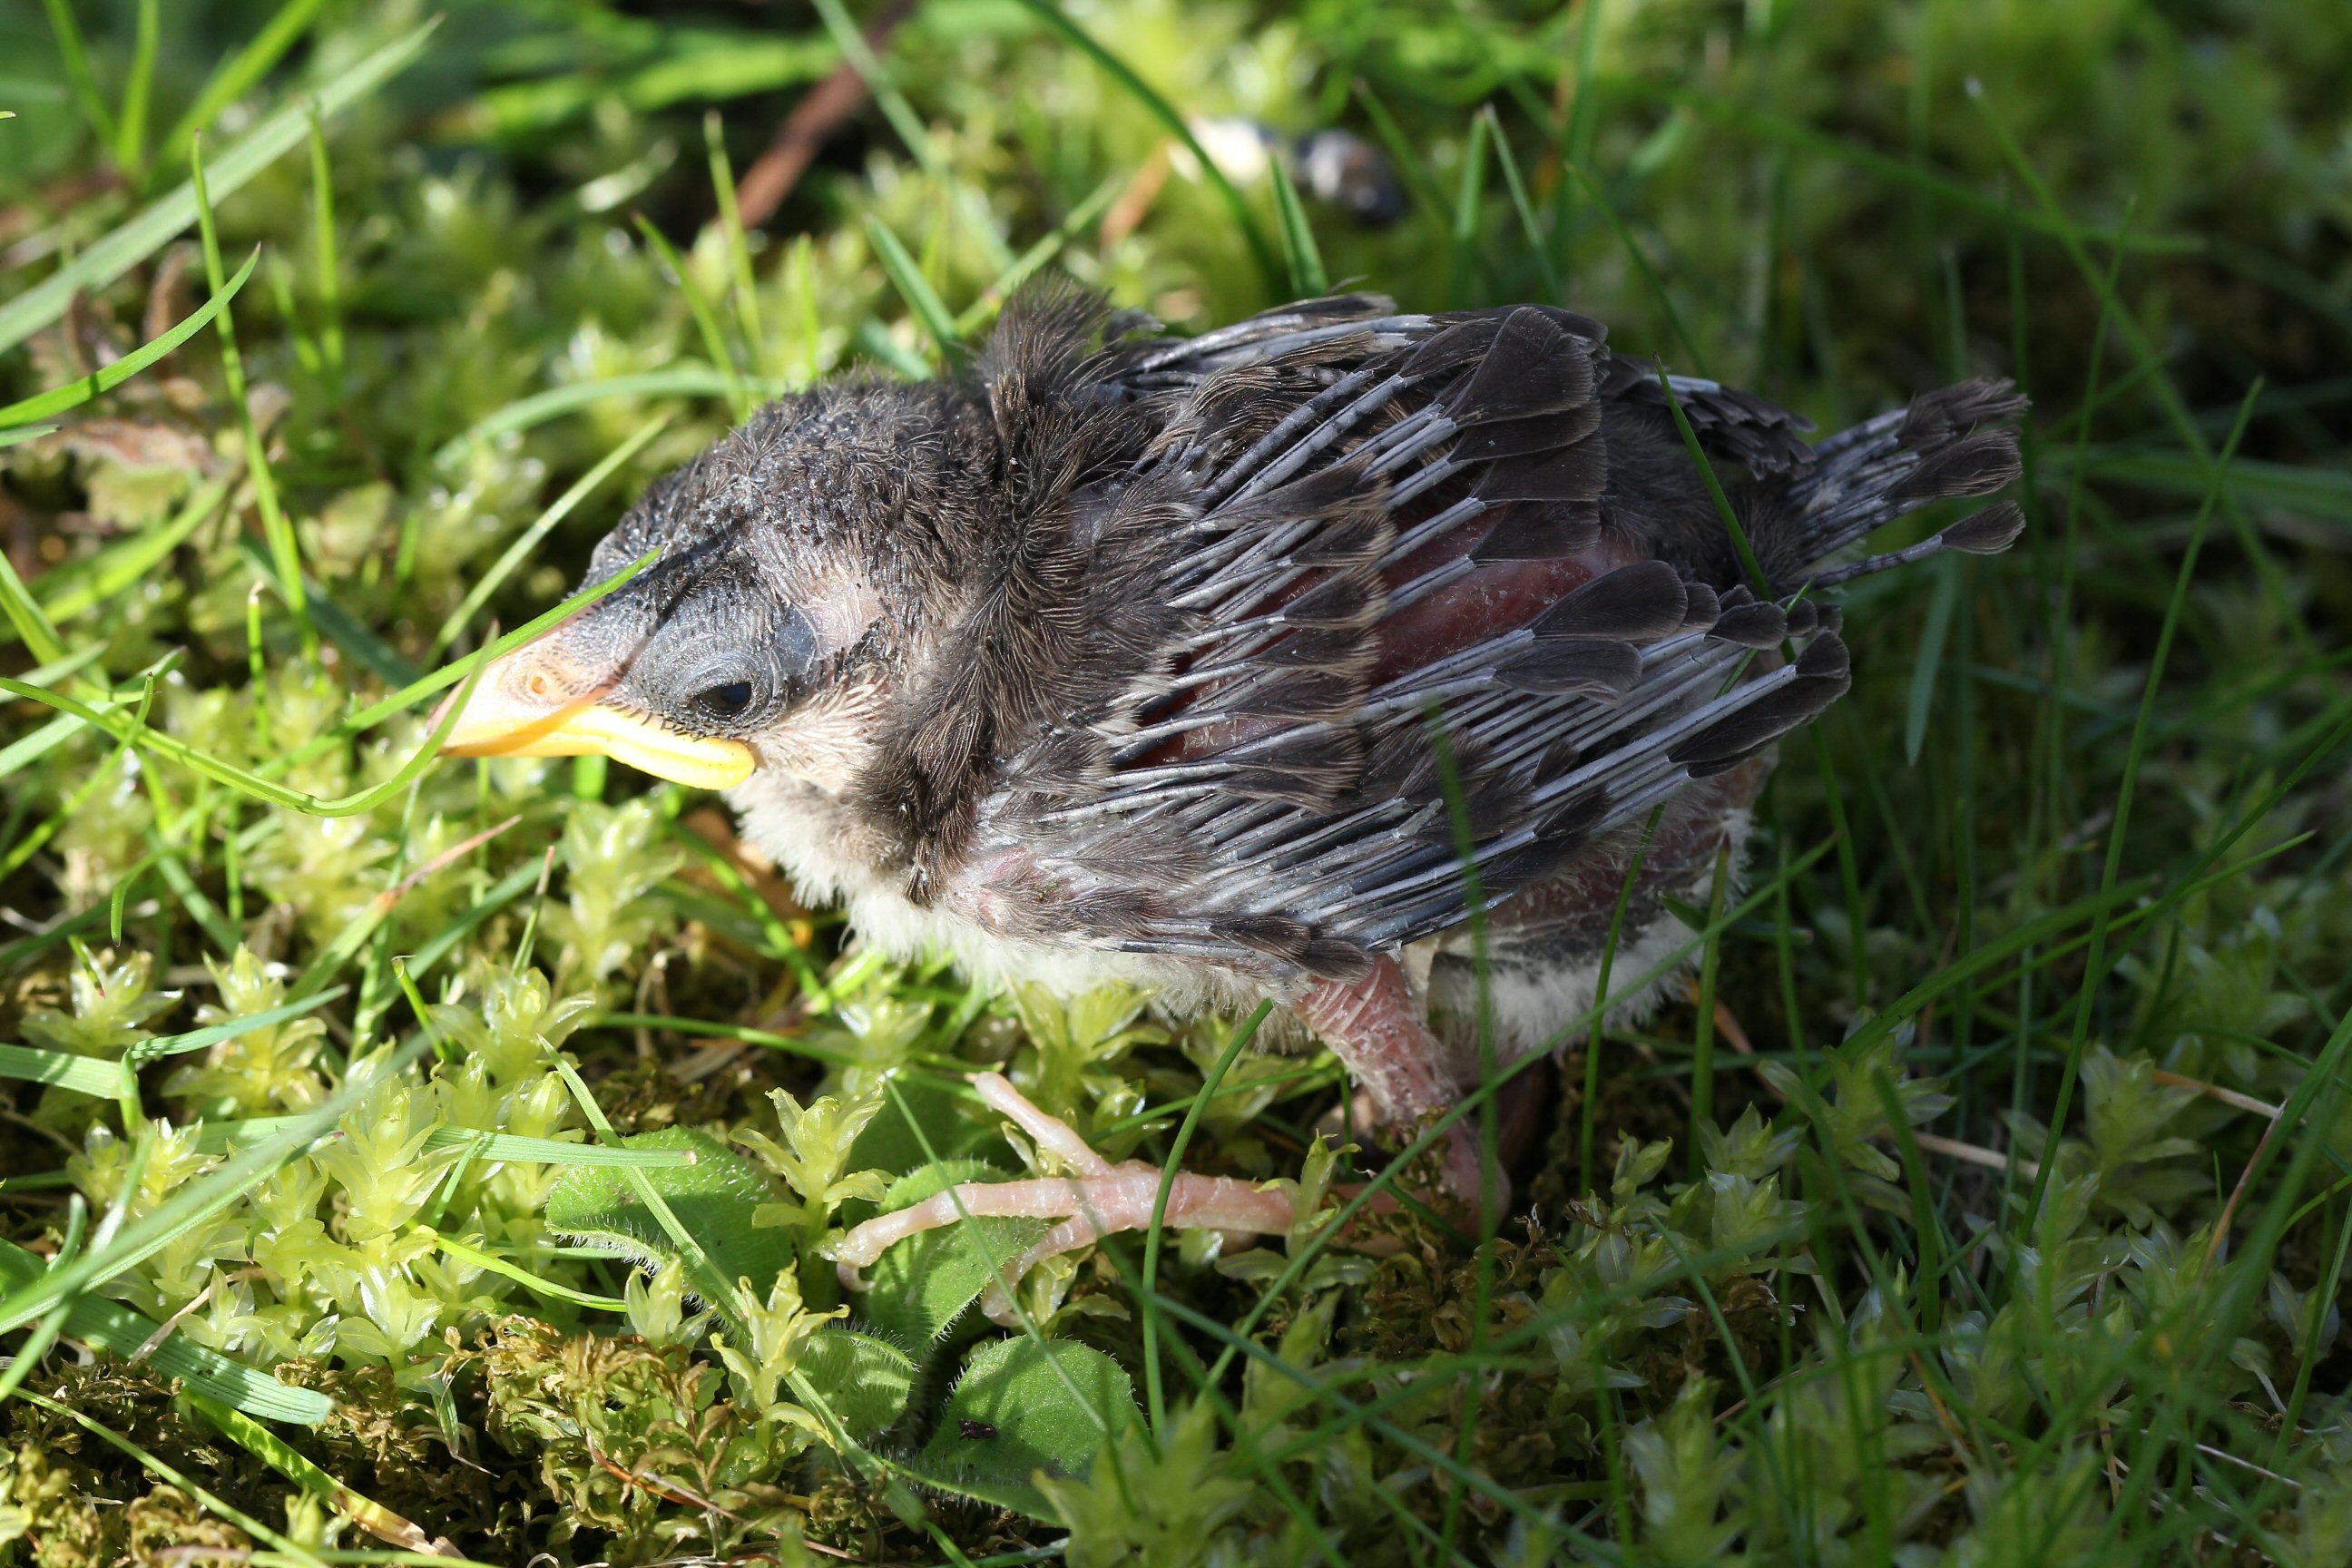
x=1957, y=443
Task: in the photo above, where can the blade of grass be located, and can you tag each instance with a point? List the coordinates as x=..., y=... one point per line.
x=913, y=131
x=1538, y=246
x=1469, y=195
x=739, y=244
x=2095, y=968
x=26, y=750
x=916, y=289
x=1723, y=507
x=552, y=1289
x=1710, y=965
x=1946, y=191
x=1148, y=1292
x=1584, y=114
x=205, y=1372
x=1269, y=264
x=284, y=549
x=240, y=74
x=282, y=1457
x=26, y=615
x=527, y=413
x=212, y=1035
x=330, y=271
x=1933, y=633
x=83, y=1075
x=1025, y=266
x=2284, y=603
x=74, y=53
x=138, y=92
x=337, y=624
x=1409, y=160
x=191, y=1205
x=528, y=541
x=1429, y=1135
x=1588, y=1129
x=706, y=319
x=117, y=567
x=1641, y=261
x=74, y=393
x=293, y=1551
x=505, y=1148
x=1307, y=276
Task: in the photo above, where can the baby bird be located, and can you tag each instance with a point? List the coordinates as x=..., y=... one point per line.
x=1250, y=665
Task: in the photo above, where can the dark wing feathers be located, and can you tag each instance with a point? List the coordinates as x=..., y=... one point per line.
x=1354, y=580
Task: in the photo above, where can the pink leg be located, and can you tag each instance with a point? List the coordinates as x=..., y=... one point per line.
x=1377, y=1027
x=1101, y=1198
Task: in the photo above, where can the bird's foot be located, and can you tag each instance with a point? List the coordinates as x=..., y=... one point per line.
x=1099, y=1199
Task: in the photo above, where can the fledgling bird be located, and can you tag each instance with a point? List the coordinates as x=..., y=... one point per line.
x=1239, y=666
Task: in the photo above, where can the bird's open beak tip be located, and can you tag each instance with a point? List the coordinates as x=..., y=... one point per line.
x=494, y=725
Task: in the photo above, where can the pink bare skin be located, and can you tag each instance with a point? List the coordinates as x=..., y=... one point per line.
x=1374, y=1026
x=1101, y=1200
x=1377, y=1027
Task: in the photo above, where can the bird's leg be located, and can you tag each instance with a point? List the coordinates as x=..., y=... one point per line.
x=1377, y=1028
x=1099, y=1199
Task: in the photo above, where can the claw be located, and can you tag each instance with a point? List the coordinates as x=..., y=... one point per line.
x=1103, y=1198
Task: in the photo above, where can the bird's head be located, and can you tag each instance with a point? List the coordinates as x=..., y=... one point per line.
x=787, y=588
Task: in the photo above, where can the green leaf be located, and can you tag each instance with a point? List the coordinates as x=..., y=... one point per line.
x=126, y=1333
x=57, y=400
x=714, y=1198
x=923, y=1286
x=865, y=1381
x=116, y=253
x=1024, y=1405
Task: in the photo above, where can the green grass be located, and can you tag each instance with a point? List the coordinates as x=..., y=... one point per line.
x=1986, y=1199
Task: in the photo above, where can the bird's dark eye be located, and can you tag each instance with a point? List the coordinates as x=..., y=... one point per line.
x=727, y=702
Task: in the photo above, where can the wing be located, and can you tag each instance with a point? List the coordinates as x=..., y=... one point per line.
x=1371, y=645
x=1338, y=623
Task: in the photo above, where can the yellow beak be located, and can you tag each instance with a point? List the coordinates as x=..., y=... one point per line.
x=499, y=721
